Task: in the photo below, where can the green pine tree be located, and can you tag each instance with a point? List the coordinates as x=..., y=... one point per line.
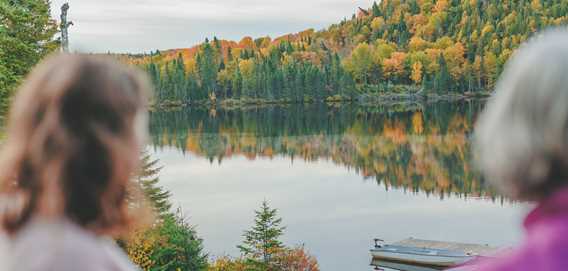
x=26, y=36
x=376, y=10
x=262, y=242
x=182, y=248
x=207, y=68
x=148, y=179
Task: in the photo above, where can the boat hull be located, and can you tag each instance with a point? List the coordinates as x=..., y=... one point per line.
x=419, y=257
x=402, y=266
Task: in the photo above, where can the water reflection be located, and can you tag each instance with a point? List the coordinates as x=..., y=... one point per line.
x=325, y=207
x=421, y=148
x=220, y=164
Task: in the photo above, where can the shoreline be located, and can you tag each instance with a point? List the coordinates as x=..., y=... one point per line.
x=374, y=99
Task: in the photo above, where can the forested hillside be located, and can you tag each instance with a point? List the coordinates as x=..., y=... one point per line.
x=440, y=46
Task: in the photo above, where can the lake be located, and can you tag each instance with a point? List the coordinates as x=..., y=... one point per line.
x=339, y=176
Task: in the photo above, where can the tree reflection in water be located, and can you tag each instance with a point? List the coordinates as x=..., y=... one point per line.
x=417, y=148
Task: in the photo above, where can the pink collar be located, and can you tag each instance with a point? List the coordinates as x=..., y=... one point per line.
x=555, y=205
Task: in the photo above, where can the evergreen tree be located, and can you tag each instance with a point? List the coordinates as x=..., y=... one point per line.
x=207, y=68
x=182, y=249
x=26, y=36
x=376, y=10
x=171, y=243
x=262, y=241
x=148, y=179
x=443, y=77
x=237, y=83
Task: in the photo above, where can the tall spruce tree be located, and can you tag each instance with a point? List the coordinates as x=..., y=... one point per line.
x=207, y=68
x=148, y=179
x=262, y=241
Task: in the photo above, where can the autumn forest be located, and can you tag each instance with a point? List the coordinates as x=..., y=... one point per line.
x=440, y=47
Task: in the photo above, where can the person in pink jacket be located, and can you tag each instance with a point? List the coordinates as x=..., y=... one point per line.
x=521, y=146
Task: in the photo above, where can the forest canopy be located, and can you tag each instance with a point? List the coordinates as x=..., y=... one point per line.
x=439, y=46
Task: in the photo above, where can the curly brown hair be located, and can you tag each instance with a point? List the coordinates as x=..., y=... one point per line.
x=73, y=142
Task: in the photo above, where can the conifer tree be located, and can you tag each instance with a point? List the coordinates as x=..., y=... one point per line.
x=171, y=243
x=26, y=36
x=207, y=68
x=443, y=77
x=376, y=10
x=148, y=179
x=262, y=241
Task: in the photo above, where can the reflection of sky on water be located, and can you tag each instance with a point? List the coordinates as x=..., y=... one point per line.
x=333, y=211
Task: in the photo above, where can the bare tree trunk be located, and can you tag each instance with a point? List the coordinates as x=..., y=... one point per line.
x=64, y=28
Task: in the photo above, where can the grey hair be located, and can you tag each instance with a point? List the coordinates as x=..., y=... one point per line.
x=521, y=139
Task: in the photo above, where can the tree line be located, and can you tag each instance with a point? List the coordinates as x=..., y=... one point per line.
x=439, y=46
x=218, y=74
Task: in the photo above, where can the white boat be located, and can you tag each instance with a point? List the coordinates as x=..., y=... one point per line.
x=419, y=256
x=400, y=266
x=416, y=254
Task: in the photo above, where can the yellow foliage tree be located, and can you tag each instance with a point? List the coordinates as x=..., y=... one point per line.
x=441, y=6
x=432, y=55
x=491, y=68
x=535, y=5
x=384, y=49
x=247, y=42
x=454, y=56
x=417, y=44
x=360, y=62
x=377, y=23
x=247, y=67
x=416, y=74
x=443, y=42
x=394, y=66
x=140, y=248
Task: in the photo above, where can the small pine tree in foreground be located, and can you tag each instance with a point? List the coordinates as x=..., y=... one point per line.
x=148, y=179
x=261, y=243
x=262, y=249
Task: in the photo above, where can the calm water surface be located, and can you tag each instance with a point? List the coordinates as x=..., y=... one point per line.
x=339, y=176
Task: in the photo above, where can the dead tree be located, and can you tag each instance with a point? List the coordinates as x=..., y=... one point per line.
x=64, y=28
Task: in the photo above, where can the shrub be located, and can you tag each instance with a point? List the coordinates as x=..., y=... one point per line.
x=171, y=244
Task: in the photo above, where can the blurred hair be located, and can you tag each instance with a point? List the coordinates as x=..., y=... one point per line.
x=521, y=139
x=73, y=143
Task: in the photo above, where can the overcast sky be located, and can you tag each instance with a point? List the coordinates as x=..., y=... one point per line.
x=144, y=25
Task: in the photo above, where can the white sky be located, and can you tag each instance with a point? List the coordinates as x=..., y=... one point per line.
x=144, y=25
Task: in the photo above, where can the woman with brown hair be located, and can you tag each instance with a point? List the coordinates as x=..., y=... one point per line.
x=75, y=131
